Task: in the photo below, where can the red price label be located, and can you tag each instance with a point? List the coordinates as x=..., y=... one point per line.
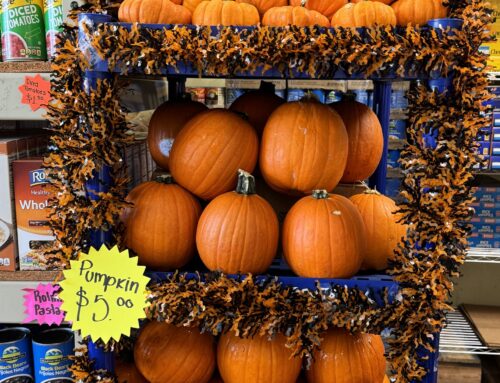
x=35, y=92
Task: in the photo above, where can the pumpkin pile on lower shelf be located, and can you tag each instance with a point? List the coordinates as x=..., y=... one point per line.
x=165, y=353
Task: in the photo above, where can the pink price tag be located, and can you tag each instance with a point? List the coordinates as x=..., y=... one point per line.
x=43, y=305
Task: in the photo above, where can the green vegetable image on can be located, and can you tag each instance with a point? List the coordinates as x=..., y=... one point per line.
x=53, y=17
x=23, y=32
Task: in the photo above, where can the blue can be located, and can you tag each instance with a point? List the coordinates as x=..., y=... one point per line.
x=51, y=352
x=15, y=355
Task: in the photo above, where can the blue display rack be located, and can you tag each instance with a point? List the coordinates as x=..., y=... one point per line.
x=376, y=285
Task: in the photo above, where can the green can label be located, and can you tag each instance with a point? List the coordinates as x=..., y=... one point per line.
x=23, y=32
x=53, y=17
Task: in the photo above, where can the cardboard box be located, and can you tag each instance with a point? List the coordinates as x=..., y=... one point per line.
x=13, y=146
x=31, y=200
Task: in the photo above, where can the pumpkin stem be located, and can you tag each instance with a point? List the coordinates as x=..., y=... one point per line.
x=372, y=191
x=165, y=179
x=246, y=183
x=267, y=86
x=309, y=96
x=320, y=194
x=349, y=96
x=303, y=3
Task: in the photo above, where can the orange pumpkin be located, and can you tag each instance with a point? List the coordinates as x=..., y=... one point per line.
x=225, y=12
x=418, y=11
x=380, y=1
x=256, y=360
x=166, y=122
x=264, y=5
x=382, y=229
x=128, y=373
x=290, y=15
x=366, y=140
x=386, y=379
x=154, y=12
x=191, y=4
x=325, y=7
x=161, y=226
x=210, y=149
x=364, y=14
x=323, y=237
x=258, y=105
x=304, y=147
x=166, y=353
x=238, y=231
x=345, y=358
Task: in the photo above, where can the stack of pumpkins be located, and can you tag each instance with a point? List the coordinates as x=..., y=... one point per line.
x=325, y=13
x=306, y=149
x=165, y=353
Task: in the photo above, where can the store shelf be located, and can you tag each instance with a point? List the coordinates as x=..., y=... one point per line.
x=483, y=255
x=459, y=338
x=25, y=67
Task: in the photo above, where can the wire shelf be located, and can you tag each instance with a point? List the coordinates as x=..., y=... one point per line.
x=483, y=255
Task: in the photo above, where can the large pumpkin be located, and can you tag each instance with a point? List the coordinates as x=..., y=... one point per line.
x=238, y=231
x=325, y=7
x=225, y=12
x=323, y=237
x=386, y=379
x=304, y=147
x=382, y=229
x=210, y=149
x=154, y=12
x=256, y=360
x=366, y=140
x=294, y=15
x=264, y=5
x=161, y=226
x=166, y=122
x=418, y=11
x=346, y=358
x=258, y=105
x=128, y=373
x=380, y=1
x=166, y=353
x=364, y=14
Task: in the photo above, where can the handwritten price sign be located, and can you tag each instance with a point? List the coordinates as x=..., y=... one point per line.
x=35, y=92
x=43, y=305
x=104, y=294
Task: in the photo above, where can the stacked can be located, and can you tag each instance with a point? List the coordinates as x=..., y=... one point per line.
x=53, y=17
x=15, y=355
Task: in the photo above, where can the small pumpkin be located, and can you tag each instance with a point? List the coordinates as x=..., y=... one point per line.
x=166, y=122
x=238, y=231
x=364, y=14
x=323, y=237
x=294, y=15
x=366, y=140
x=383, y=232
x=304, y=147
x=418, y=11
x=128, y=373
x=161, y=226
x=256, y=360
x=154, y=12
x=190, y=355
x=264, y=5
x=225, y=12
x=325, y=7
x=209, y=150
x=345, y=357
x=258, y=105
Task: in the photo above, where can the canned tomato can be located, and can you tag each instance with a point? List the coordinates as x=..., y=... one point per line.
x=53, y=18
x=23, y=31
x=15, y=355
x=51, y=352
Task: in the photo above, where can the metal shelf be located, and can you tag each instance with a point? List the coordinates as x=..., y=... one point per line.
x=459, y=338
x=25, y=67
x=483, y=255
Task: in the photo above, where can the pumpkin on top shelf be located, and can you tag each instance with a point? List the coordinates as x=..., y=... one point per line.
x=382, y=228
x=366, y=141
x=258, y=105
x=324, y=237
x=325, y=7
x=160, y=227
x=344, y=357
x=364, y=14
x=264, y=5
x=387, y=2
x=166, y=353
x=166, y=122
x=304, y=147
x=418, y=11
x=154, y=12
x=209, y=150
x=294, y=15
x=238, y=231
x=256, y=360
x=225, y=12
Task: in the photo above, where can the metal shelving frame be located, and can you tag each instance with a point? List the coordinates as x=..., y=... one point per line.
x=483, y=255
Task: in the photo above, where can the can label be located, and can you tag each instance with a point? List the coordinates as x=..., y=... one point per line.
x=15, y=356
x=51, y=352
x=23, y=34
x=53, y=17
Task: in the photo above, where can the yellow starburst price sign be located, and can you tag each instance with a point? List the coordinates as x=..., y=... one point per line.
x=104, y=294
